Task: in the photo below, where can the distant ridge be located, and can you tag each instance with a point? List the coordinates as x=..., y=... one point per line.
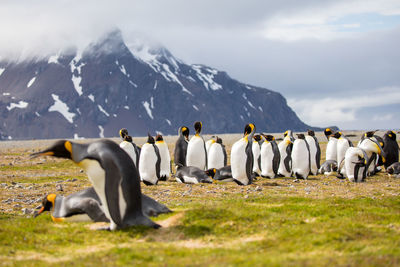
x=107, y=86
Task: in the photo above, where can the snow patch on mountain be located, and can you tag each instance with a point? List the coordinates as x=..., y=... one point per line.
x=53, y=59
x=207, y=78
x=146, y=105
x=20, y=104
x=103, y=110
x=101, y=134
x=76, y=79
x=2, y=70
x=31, y=82
x=61, y=107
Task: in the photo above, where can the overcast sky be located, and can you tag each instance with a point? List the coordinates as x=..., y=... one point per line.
x=336, y=62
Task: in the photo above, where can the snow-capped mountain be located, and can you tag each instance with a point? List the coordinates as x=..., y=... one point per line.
x=108, y=86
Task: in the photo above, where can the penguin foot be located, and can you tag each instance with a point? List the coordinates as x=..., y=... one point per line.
x=163, y=178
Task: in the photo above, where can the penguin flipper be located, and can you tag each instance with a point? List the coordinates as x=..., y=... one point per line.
x=92, y=208
x=153, y=208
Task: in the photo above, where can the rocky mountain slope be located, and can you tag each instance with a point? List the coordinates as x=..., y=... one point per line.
x=110, y=85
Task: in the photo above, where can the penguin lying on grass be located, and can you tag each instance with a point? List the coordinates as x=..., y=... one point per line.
x=85, y=206
x=193, y=175
x=224, y=174
x=114, y=178
x=394, y=169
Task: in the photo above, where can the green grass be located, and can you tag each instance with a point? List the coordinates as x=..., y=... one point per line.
x=299, y=231
x=319, y=222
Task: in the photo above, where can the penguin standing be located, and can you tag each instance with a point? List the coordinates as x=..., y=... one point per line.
x=209, y=143
x=150, y=162
x=85, y=206
x=193, y=175
x=270, y=157
x=131, y=149
x=301, y=160
x=256, y=154
x=196, y=151
x=181, y=146
x=315, y=152
x=373, y=148
x=124, y=132
x=217, y=155
x=165, y=165
x=113, y=176
x=331, y=147
x=242, y=157
x=355, y=164
x=343, y=144
x=285, y=151
x=391, y=148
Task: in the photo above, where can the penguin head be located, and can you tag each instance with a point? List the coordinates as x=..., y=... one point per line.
x=390, y=170
x=123, y=132
x=257, y=137
x=336, y=135
x=269, y=137
x=391, y=135
x=128, y=138
x=218, y=140
x=150, y=139
x=185, y=132
x=310, y=132
x=328, y=132
x=197, y=127
x=47, y=204
x=301, y=136
x=249, y=128
x=211, y=172
x=61, y=149
x=159, y=138
x=369, y=134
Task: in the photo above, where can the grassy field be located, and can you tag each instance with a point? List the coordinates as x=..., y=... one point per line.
x=278, y=222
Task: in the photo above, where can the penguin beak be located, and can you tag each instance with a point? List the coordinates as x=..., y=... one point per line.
x=39, y=212
x=40, y=154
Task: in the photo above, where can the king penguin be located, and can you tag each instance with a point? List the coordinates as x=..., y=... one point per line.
x=181, y=146
x=130, y=148
x=113, y=176
x=270, y=157
x=331, y=147
x=343, y=144
x=301, y=160
x=315, y=152
x=193, y=175
x=285, y=151
x=209, y=143
x=373, y=147
x=242, y=157
x=150, y=162
x=391, y=148
x=256, y=148
x=224, y=174
x=165, y=165
x=196, y=151
x=217, y=154
x=124, y=132
x=355, y=164
x=85, y=206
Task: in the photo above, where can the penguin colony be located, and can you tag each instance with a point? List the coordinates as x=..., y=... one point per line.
x=116, y=171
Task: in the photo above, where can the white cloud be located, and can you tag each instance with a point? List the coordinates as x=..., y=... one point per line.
x=342, y=109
